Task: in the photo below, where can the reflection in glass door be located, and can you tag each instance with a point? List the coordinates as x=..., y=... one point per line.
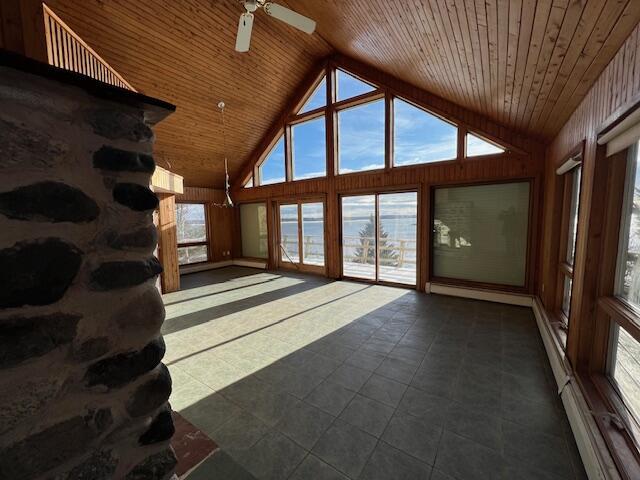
x=358, y=236
x=397, y=237
x=379, y=237
x=313, y=233
x=302, y=235
x=289, y=241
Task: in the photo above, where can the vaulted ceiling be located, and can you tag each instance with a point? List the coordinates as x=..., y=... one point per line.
x=524, y=63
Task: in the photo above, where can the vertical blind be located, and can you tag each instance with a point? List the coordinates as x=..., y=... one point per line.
x=480, y=233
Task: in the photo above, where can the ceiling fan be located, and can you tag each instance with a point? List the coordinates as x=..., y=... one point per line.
x=243, y=39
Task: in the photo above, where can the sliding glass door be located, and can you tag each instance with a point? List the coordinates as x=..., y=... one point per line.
x=301, y=235
x=379, y=237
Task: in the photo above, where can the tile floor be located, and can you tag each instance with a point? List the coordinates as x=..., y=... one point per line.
x=297, y=377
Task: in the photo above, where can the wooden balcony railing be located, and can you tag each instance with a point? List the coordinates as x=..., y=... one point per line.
x=405, y=249
x=65, y=49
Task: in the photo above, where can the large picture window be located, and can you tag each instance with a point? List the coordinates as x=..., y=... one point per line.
x=480, y=233
x=272, y=169
x=191, y=228
x=309, y=149
x=624, y=353
x=361, y=137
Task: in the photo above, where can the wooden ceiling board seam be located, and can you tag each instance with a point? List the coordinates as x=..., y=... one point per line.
x=435, y=50
x=463, y=47
x=543, y=10
x=515, y=17
x=600, y=57
x=468, y=12
x=586, y=24
x=526, y=21
x=450, y=53
x=565, y=39
x=552, y=32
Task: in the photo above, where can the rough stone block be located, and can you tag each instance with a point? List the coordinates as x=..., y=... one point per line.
x=37, y=272
x=25, y=338
x=92, y=348
x=52, y=447
x=144, y=313
x=100, y=465
x=134, y=196
x=150, y=395
x=22, y=147
x=117, y=160
x=155, y=467
x=121, y=369
x=114, y=275
x=115, y=125
x=144, y=238
x=48, y=202
x=161, y=428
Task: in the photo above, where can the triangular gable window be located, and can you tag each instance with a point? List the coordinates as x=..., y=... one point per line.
x=349, y=86
x=249, y=183
x=318, y=98
x=477, y=146
x=272, y=169
x=421, y=137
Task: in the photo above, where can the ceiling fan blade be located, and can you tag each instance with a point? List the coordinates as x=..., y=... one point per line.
x=289, y=16
x=243, y=39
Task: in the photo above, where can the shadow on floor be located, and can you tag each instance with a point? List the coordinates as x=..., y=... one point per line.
x=422, y=386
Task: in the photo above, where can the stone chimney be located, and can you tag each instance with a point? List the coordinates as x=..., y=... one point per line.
x=83, y=392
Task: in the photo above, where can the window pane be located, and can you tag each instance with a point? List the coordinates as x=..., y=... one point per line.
x=309, y=151
x=249, y=183
x=397, y=237
x=190, y=222
x=195, y=254
x=317, y=99
x=624, y=368
x=420, y=137
x=272, y=169
x=477, y=146
x=358, y=236
x=628, y=272
x=349, y=86
x=361, y=137
x=253, y=230
x=480, y=233
x=313, y=233
x=289, y=248
x=573, y=214
x=566, y=296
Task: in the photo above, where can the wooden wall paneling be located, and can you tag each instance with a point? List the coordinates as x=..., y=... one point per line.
x=168, y=243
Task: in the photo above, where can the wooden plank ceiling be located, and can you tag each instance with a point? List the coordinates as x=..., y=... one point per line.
x=524, y=63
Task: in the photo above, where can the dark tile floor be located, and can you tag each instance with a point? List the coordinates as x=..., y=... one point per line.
x=298, y=377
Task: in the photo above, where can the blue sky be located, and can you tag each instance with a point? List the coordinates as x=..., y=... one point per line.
x=419, y=137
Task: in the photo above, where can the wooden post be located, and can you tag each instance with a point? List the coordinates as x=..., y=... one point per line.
x=168, y=243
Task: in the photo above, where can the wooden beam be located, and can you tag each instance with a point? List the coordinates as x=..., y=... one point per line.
x=168, y=243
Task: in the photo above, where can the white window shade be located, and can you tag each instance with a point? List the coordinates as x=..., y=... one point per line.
x=623, y=135
x=480, y=233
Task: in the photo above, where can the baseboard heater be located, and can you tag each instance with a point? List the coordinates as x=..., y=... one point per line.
x=227, y=263
x=593, y=451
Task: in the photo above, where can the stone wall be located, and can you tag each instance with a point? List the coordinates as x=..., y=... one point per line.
x=83, y=392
